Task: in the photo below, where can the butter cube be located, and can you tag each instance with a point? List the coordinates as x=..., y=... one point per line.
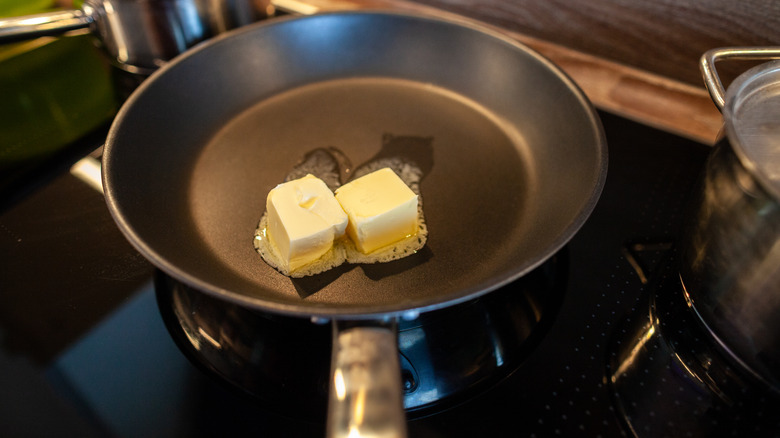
x=304, y=219
x=381, y=209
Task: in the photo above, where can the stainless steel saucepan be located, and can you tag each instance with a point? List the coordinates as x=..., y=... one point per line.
x=140, y=35
x=731, y=246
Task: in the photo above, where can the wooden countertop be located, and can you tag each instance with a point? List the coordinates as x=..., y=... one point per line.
x=647, y=98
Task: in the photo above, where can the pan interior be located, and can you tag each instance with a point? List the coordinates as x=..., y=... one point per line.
x=478, y=191
x=513, y=154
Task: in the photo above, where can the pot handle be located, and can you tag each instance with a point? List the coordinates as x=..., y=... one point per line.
x=711, y=78
x=365, y=389
x=49, y=23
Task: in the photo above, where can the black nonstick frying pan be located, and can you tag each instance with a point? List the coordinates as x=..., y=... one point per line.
x=513, y=156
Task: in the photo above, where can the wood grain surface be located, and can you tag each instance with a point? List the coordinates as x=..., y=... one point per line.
x=665, y=37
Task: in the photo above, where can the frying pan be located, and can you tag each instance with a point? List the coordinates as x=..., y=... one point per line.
x=513, y=156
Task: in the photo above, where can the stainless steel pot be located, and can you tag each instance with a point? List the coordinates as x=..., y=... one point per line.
x=140, y=35
x=731, y=246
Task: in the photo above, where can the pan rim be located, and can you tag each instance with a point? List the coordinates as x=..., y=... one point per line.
x=372, y=311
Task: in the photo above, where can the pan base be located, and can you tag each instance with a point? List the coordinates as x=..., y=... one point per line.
x=446, y=356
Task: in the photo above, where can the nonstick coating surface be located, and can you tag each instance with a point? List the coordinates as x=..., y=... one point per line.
x=514, y=156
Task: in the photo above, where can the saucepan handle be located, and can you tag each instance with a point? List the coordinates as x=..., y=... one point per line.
x=365, y=389
x=711, y=78
x=49, y=23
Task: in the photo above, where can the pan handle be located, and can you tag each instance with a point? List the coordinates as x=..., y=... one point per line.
x=711, y=78
x=365, y=389
x=45, y=24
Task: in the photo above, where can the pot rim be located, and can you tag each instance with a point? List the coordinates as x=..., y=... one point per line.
x=750, y=139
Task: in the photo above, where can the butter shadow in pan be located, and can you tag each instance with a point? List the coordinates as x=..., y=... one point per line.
x=308, y=286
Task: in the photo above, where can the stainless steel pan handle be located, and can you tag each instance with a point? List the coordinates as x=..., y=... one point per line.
x=365, y=390
x=711, y=78
x=49, y=23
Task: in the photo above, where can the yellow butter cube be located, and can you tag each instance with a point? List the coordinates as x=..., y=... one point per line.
x=304, y=219
x=381, y=209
